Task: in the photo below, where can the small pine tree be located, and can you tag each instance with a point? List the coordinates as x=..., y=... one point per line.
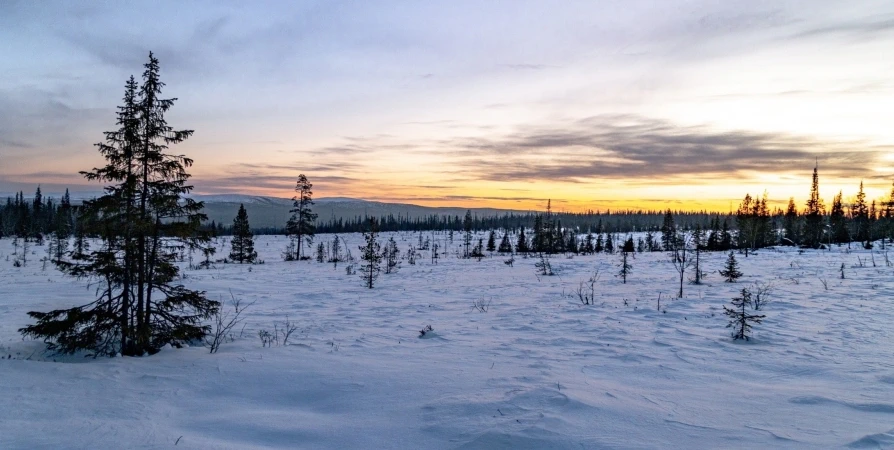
x=434, y=252
x=731, y=270
x=467, y=234
x=62, y=227
x=543, y=266
x=588, y=247
x=522, y=245
x=726, y=237
x=391, y=255
x=242, y=247
x=698, y=243
x=680, y=258
x=668, y=231
x=838, y=222
x=650, y=242
x=739, y=319
x=505, y=245
x=371, y=254
x=335, y=250
x=791, y=230
x=571, y=242
x=478, y=251
x=628, y=246
x=492, y=242
x=625, y=266
x=321, y=253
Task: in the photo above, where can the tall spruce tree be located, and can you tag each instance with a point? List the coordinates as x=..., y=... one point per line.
x=521, y=245
x=505, y=244
x=492, y=241
x=668, y=232
x=302, y=223
x=37, y=216
x=588, y=247
x=814, y=216
x=467, y=234
x=838, y=222
x=143, y=222
x=791, y=230
x=888, y=213
x=861, y=218
x=61, y=228
x=242, y=246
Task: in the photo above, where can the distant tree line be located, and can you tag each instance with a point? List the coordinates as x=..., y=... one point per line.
x=752, y=226
x=37, y=217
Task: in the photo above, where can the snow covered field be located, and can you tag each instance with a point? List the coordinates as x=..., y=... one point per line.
x=537, y=370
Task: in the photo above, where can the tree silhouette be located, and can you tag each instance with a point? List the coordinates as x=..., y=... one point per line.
x=242, y=246
x=143, y=222
x=302, y=223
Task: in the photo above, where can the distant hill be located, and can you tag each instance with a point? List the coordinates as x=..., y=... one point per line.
x=272, y=212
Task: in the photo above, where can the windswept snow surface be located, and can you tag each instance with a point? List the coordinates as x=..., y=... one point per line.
x=537, y=370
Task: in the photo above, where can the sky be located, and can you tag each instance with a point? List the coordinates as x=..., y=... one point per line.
x=687, y=104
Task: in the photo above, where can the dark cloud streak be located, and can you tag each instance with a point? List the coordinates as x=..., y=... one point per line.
x=631, y=147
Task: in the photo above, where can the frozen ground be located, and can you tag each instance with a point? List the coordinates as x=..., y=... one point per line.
x=538, y=370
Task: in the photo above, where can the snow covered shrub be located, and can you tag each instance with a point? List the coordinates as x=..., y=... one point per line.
x=223, y=323
x=586, y=290
x=285, y=329
x=762, y=293
x=267, y=338
x=543, y=266
x=411, y=255
x=290, y=251
x=481, y=306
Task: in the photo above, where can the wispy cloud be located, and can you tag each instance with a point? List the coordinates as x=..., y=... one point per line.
x=867, y=28
x=632, y=147
x=527, y=66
